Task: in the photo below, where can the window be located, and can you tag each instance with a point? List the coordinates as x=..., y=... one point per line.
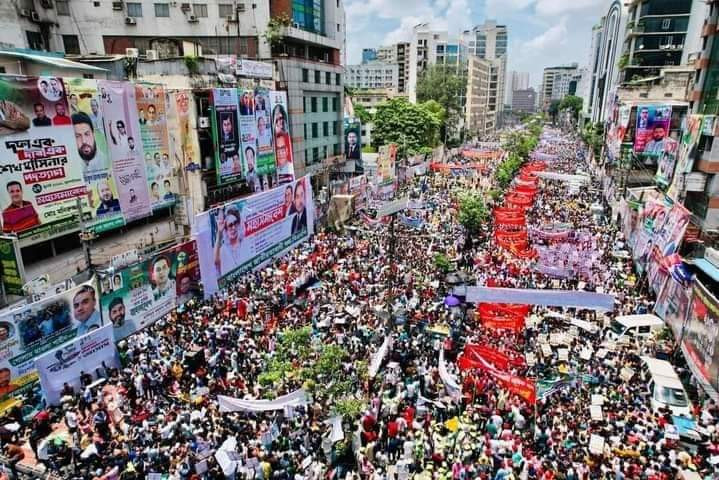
x=325, y=129
x=313, y=103
x=2, y=70
x=314, y=130
x=88, y=76
x=328, y=78
x=162, y=10
x=305, y=75
x=324, y=151
x=305, y=125
x=335, y=103
x=338, y=27
x=63, y=7
x=317, y=76
x=225, y=10
x=199, y=10
x=335, y=127
x=666, y=23
x=315, y=155
x=34, y=40
x=336, y=149
x=134, y=9
x=337, y=78
x=71, y=44
x=325, y=103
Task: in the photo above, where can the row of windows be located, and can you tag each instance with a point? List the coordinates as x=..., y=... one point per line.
x=313, y=101
x=314, y=128
x=318, y=77
x=313, y=156
x=162, y=10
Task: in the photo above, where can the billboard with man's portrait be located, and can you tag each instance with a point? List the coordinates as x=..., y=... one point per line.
x=242, y=235
x=653, y=122
x=40, y=170
x=140, y=294
x=225, y=131
x=283, y=138
x=353, y=143
x=265, y=142
x=33, y=329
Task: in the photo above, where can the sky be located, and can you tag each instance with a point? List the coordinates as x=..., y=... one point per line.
x=542, y=33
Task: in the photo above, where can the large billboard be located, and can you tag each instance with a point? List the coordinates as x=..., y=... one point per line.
x=152, y=114
x=353, y=143
x=31, y=330
x=101, y=208
x=386, y=164
x=283, y=137
x=243, y=235
x=265, y=143
x=40, y=170
x=225, y=130
x=248, y=129
x=140, y=294
x=653, y=122
x=119, y=110
x=701, y=334
x=181, y=113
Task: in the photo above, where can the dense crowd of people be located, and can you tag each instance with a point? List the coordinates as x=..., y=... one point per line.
x=317, y=319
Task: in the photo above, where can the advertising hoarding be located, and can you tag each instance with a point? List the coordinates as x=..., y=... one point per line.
x=225, y=130
x=283, y=137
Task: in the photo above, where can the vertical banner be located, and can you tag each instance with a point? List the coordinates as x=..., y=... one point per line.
x=248, y=128
x=243, y=235
x=653, y=123
x=283, y=137
x=228, y=160
x=701, y=334
x=672, y=304
x=386, y=164
x=142, y=293
x=358, y=188
x=667, y=162
x=265, y=144
x=152, y=114
x=181, y=130
x=669, y=236
x=12, y=270
x=122, y=128
x=102, y=208
x=40, y=171
x=66, y=363
x=353, y=143
x=31, y=330
x=691, y=132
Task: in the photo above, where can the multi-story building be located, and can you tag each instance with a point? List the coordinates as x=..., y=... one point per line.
x=659, y=34
x=479, y=116
x=432, y=47
x=592, y=63
x=515, y=81
x=524, y=100
x=556, y=82
x=369, y=55
x=397, y=53
x=373, y=75
x=489, y=42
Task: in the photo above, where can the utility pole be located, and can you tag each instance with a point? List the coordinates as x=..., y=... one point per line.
x=86, y=236
x=392, y=272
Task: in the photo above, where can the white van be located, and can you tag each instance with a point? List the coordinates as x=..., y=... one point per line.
x=634, y=326
x=665, y=387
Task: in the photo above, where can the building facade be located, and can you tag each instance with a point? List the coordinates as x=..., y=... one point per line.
x=524, y=100
x=431, y=47
x=373, y=75
x=556, y=83
x=369, y=55
x=515, y=81
x=480, y=117
x=397, y=53
x=489, y=42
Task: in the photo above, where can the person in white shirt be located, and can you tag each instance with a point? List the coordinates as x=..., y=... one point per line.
x=228, y=241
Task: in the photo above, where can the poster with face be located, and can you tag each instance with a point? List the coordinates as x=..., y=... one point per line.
x=40, y=168
x=243, y=235
x=265, y=144
x=102, y=207
x=669, y=236
x=181, y=130
x=155, y=144
x=353, y=143
x=122, y=128
x=228, y=160
x=283, y=139
x=142, y=293
x=687, y=152
x=653, y=124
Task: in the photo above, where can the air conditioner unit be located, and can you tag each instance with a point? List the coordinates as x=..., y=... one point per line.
x=192, y=19
x=130, y=21
x=151, y=55
x=185, y=7
x=117, y=6
x=241, y=7
x=203, y=122
x=34, y=16
x=46, y=3
x=132, y=52
x=25, y=12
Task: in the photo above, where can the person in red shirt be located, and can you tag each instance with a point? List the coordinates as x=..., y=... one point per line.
x=61, y=117
x=20, y=214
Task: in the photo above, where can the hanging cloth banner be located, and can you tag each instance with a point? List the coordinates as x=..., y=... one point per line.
x=499, y=359
x=547, y=298
x=494, y=309
x=544, y=156
x=378, y=357
x=450, y=381
x=520, y=386
x=231, y=404
x=563, y=177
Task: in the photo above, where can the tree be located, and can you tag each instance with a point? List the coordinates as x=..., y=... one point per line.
x=553, y=110
x=572, y=103
x=412, y=127
x=472, y=213
x=444, y=85
x=362, y=113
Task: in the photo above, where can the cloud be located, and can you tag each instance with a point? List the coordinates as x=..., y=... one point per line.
x=551, y=38
x=550, y=8
x=498, y=8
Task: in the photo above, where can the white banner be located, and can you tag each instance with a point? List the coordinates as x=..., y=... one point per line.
x=82, y=354
x=379, y=355
x=231, y=404
x=449, y=380
x=563, y=177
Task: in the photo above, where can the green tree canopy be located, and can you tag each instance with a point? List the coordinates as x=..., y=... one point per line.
x=472, y=212
x=553, y=110
x=408, y=125
x=446, y=86
x=573, y=103
x=362, y=113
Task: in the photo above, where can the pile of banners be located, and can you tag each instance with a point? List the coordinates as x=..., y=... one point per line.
x=566, y=260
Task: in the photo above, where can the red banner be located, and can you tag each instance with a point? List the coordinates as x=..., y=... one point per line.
x=523, y=387
x=499, y=359
x=506, y=308
x=515, y=324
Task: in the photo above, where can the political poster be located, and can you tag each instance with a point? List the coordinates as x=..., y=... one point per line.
x=181, y=130
x=672, y=304
x=360, y=190
x=248, y=131
x=666, y=163
x=701, y=333
x=152, y=115
x=265, y=144
x=353, y=143
x=691, y=132
x=12, y=271
x=67, y=362
x=669, y=235
x=283, y=137
x=122, y=128
x=140, y=294
x=386, y=164
x=653, y=122
x=101, y=207
x=243, y=235
x=40, y=169
x=33, y=329
x=225, y=131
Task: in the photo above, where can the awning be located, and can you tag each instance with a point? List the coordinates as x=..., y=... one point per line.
x=50, y=60
x=707, y=268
